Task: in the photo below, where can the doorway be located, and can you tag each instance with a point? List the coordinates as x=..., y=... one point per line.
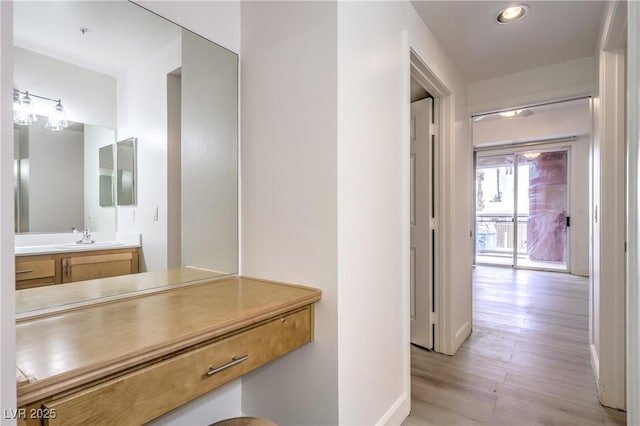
x=522, y=205
x=423, y=209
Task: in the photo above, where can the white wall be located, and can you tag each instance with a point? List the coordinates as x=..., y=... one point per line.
x=56, y=179
x=142, y=113
x=579, y=205
x=553, y=82
x=289, y=193
x=289, y=204
x=373, y=97
x=7, y=264
x=56, y=79
x=547, y=122
x=218, y=21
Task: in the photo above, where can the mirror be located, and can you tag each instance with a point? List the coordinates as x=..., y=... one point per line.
x=54, y=183
x=105, y=172
x=126, y=177
x=168, y=95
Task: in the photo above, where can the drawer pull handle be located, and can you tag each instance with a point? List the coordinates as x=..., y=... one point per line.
x=26, y=271
x=234, y=361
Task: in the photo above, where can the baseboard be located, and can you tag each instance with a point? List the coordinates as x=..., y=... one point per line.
x=595, y=364
x=398, y=412
x=461, y=335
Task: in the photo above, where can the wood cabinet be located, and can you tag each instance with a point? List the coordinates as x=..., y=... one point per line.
x=101, y=264
x=159, y=388
x=48, y=269
x=190, y=340
x=35, y=271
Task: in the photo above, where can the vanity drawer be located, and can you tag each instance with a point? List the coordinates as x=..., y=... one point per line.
x=32, y=271
x=143, y=395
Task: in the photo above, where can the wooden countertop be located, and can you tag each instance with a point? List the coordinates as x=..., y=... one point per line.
x=62, y=296
x=67, y=349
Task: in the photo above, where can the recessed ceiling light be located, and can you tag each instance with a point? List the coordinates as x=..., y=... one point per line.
x=512, y=14
x=510, y=114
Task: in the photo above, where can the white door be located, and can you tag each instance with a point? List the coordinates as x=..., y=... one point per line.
x=422, y=229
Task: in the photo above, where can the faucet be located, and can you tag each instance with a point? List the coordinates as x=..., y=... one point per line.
x=86, y=238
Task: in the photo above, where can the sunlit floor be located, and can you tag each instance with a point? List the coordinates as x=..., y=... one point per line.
x=524, y=261
x=526, y=362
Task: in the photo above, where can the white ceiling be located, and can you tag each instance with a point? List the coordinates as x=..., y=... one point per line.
x=119, y=34
x=552, y=32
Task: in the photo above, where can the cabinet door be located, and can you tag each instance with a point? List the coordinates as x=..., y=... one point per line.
x=35, y=271
x=102, y=265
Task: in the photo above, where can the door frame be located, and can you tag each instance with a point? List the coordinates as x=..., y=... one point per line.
x=443, y=340
x=608, y=302
x=633, y=221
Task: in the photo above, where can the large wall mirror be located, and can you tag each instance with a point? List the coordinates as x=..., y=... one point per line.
x=150, y=143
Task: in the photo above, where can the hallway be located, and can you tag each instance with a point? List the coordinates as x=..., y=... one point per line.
x=526, y=362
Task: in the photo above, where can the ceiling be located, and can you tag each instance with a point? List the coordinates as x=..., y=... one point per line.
x=552, y=32
x=119, y=34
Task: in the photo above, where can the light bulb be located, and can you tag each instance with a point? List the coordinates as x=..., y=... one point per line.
x=16, y=103
x=26, y=113
x=512, y=14
x=57, y=118
x=509, y=114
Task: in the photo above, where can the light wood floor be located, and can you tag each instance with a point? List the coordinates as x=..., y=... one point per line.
x=526, y=362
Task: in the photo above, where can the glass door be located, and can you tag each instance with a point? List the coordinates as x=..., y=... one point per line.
x=522, y=209
x=495, y=210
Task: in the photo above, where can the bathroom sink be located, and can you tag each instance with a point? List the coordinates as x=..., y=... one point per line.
x=92, y=246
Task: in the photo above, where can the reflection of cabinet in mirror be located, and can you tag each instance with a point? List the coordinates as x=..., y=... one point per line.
x=126, y=169
x=36, y=271
x=40, y=270
x=101, y=264
x=105, y=171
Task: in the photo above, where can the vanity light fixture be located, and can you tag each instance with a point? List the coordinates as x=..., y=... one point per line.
x=24, y=112
x=57, y=118
x=512, y=14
